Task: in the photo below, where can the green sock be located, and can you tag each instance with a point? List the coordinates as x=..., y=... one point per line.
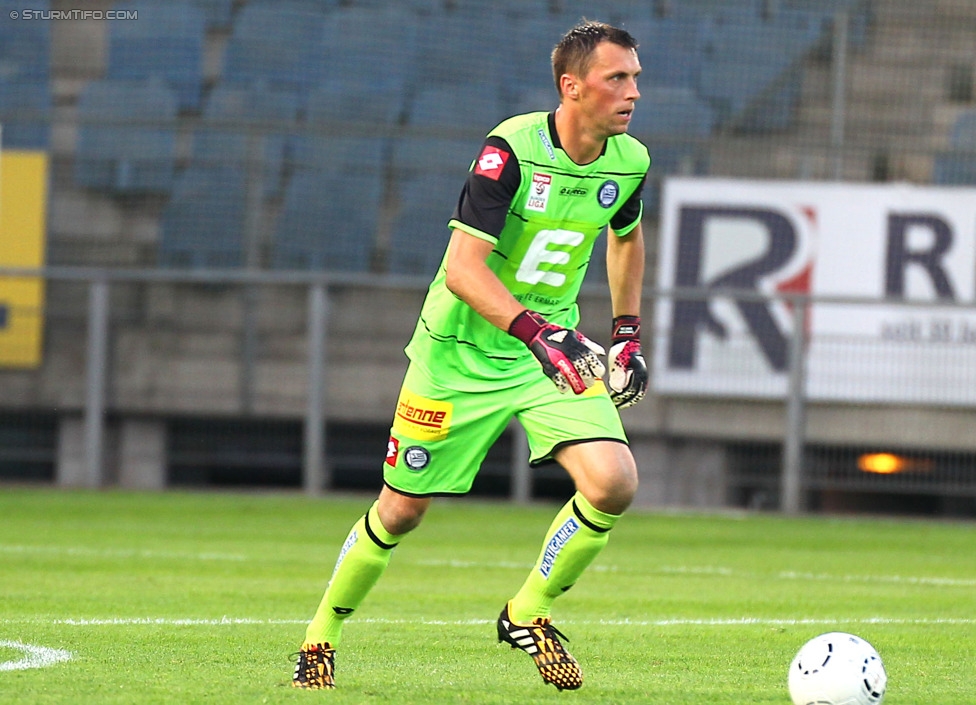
x=577, y=534
x=362, y=560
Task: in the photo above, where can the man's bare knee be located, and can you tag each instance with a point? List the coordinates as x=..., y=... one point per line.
x=614, y=494
x=400, y=513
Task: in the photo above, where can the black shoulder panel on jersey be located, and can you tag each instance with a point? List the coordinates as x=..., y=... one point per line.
x=487, y=194
x=630, y=210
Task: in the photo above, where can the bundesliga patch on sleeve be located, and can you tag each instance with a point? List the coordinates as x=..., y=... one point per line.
x=491, y=163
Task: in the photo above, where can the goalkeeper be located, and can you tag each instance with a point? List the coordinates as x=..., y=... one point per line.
x=497, y=339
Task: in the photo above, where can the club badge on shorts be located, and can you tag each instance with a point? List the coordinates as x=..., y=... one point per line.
x=416, y=458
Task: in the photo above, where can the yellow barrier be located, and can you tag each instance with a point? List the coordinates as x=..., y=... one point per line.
x=23, y=227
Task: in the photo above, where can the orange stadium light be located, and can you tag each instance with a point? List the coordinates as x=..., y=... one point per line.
x=889, y=464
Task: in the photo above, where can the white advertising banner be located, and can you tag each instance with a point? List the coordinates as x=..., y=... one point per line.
x=898, y=245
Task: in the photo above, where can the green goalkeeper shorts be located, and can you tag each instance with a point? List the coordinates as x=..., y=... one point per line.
x=440, y=436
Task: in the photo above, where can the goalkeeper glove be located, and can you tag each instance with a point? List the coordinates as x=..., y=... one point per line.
x=628, y=371
x=568, y=357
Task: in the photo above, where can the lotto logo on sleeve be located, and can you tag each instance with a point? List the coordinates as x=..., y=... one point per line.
x=491, y=163
x=392, y=451
x=420, y=418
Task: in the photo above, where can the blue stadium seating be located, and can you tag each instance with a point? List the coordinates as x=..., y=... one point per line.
x=420, y=232
x=380, y=68
x=328, y=221
x=859, y=11
x=670, y=49
x=464, y=49
x=428, y=174
x=533, y=100
x=429, y=171
x=119, y=149
x=237, y=120
x=203, y=223
x=963, y=135
x=332, y=204
x=957, y=165
x=218, y=13
x=464, y=108
x=166, y=42
x=750, y=72
x=533, y=40
x=25, y=45
x=360, y=83
x=25, y=111
x=275, y=43
x=674, y=123
x=25, y=96
x=414, y=158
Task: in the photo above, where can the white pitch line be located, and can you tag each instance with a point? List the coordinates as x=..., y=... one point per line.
x=681, y=622
x=934, y=581
x=119, y=553
x=34, y=656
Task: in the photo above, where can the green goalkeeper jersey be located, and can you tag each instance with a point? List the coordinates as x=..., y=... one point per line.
x=543, y=212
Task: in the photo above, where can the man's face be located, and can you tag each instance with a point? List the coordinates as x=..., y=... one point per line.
x=609, y=90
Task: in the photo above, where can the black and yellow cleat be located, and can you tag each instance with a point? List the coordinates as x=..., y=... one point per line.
x=315, y=669
x=540, y=640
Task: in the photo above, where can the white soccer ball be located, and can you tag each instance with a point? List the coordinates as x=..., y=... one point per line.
x=837, y=669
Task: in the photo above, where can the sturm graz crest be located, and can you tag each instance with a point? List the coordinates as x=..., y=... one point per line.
x=608, y=193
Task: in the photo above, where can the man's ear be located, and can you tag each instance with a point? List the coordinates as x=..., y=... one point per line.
x=569, y=85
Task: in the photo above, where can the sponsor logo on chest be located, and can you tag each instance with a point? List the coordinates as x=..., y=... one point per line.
x=539, y=193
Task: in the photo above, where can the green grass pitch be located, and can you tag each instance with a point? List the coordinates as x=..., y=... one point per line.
x=116, y=597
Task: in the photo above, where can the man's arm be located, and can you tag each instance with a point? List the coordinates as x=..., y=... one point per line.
x=625, y=271
x=471, y=280
x=628, y=377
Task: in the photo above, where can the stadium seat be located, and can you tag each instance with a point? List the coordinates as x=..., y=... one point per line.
x=463, y=49
x=420, y=232
x=166, y=42
x=217, y=13
x=25, y=94
x=534, y=38
x=953, y=169
x=240, y=124
x=415, y=157
x=328, y=221
x=379, y=69
x=25, y=45
x=332, y=204
x=750, y=72
x=860, y=14
x=963, y=135
x=274, y=43
x=674, y=123
x=670, y=49
x=126, y=136
x=357, y=83
x=203, y=224
x=468, y=108
x=25, y=114
x=428, y=176
x=957, y=165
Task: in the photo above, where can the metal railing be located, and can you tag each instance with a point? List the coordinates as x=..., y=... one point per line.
x=320, y=330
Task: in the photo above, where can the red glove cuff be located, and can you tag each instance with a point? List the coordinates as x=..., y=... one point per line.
x=526, y=326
